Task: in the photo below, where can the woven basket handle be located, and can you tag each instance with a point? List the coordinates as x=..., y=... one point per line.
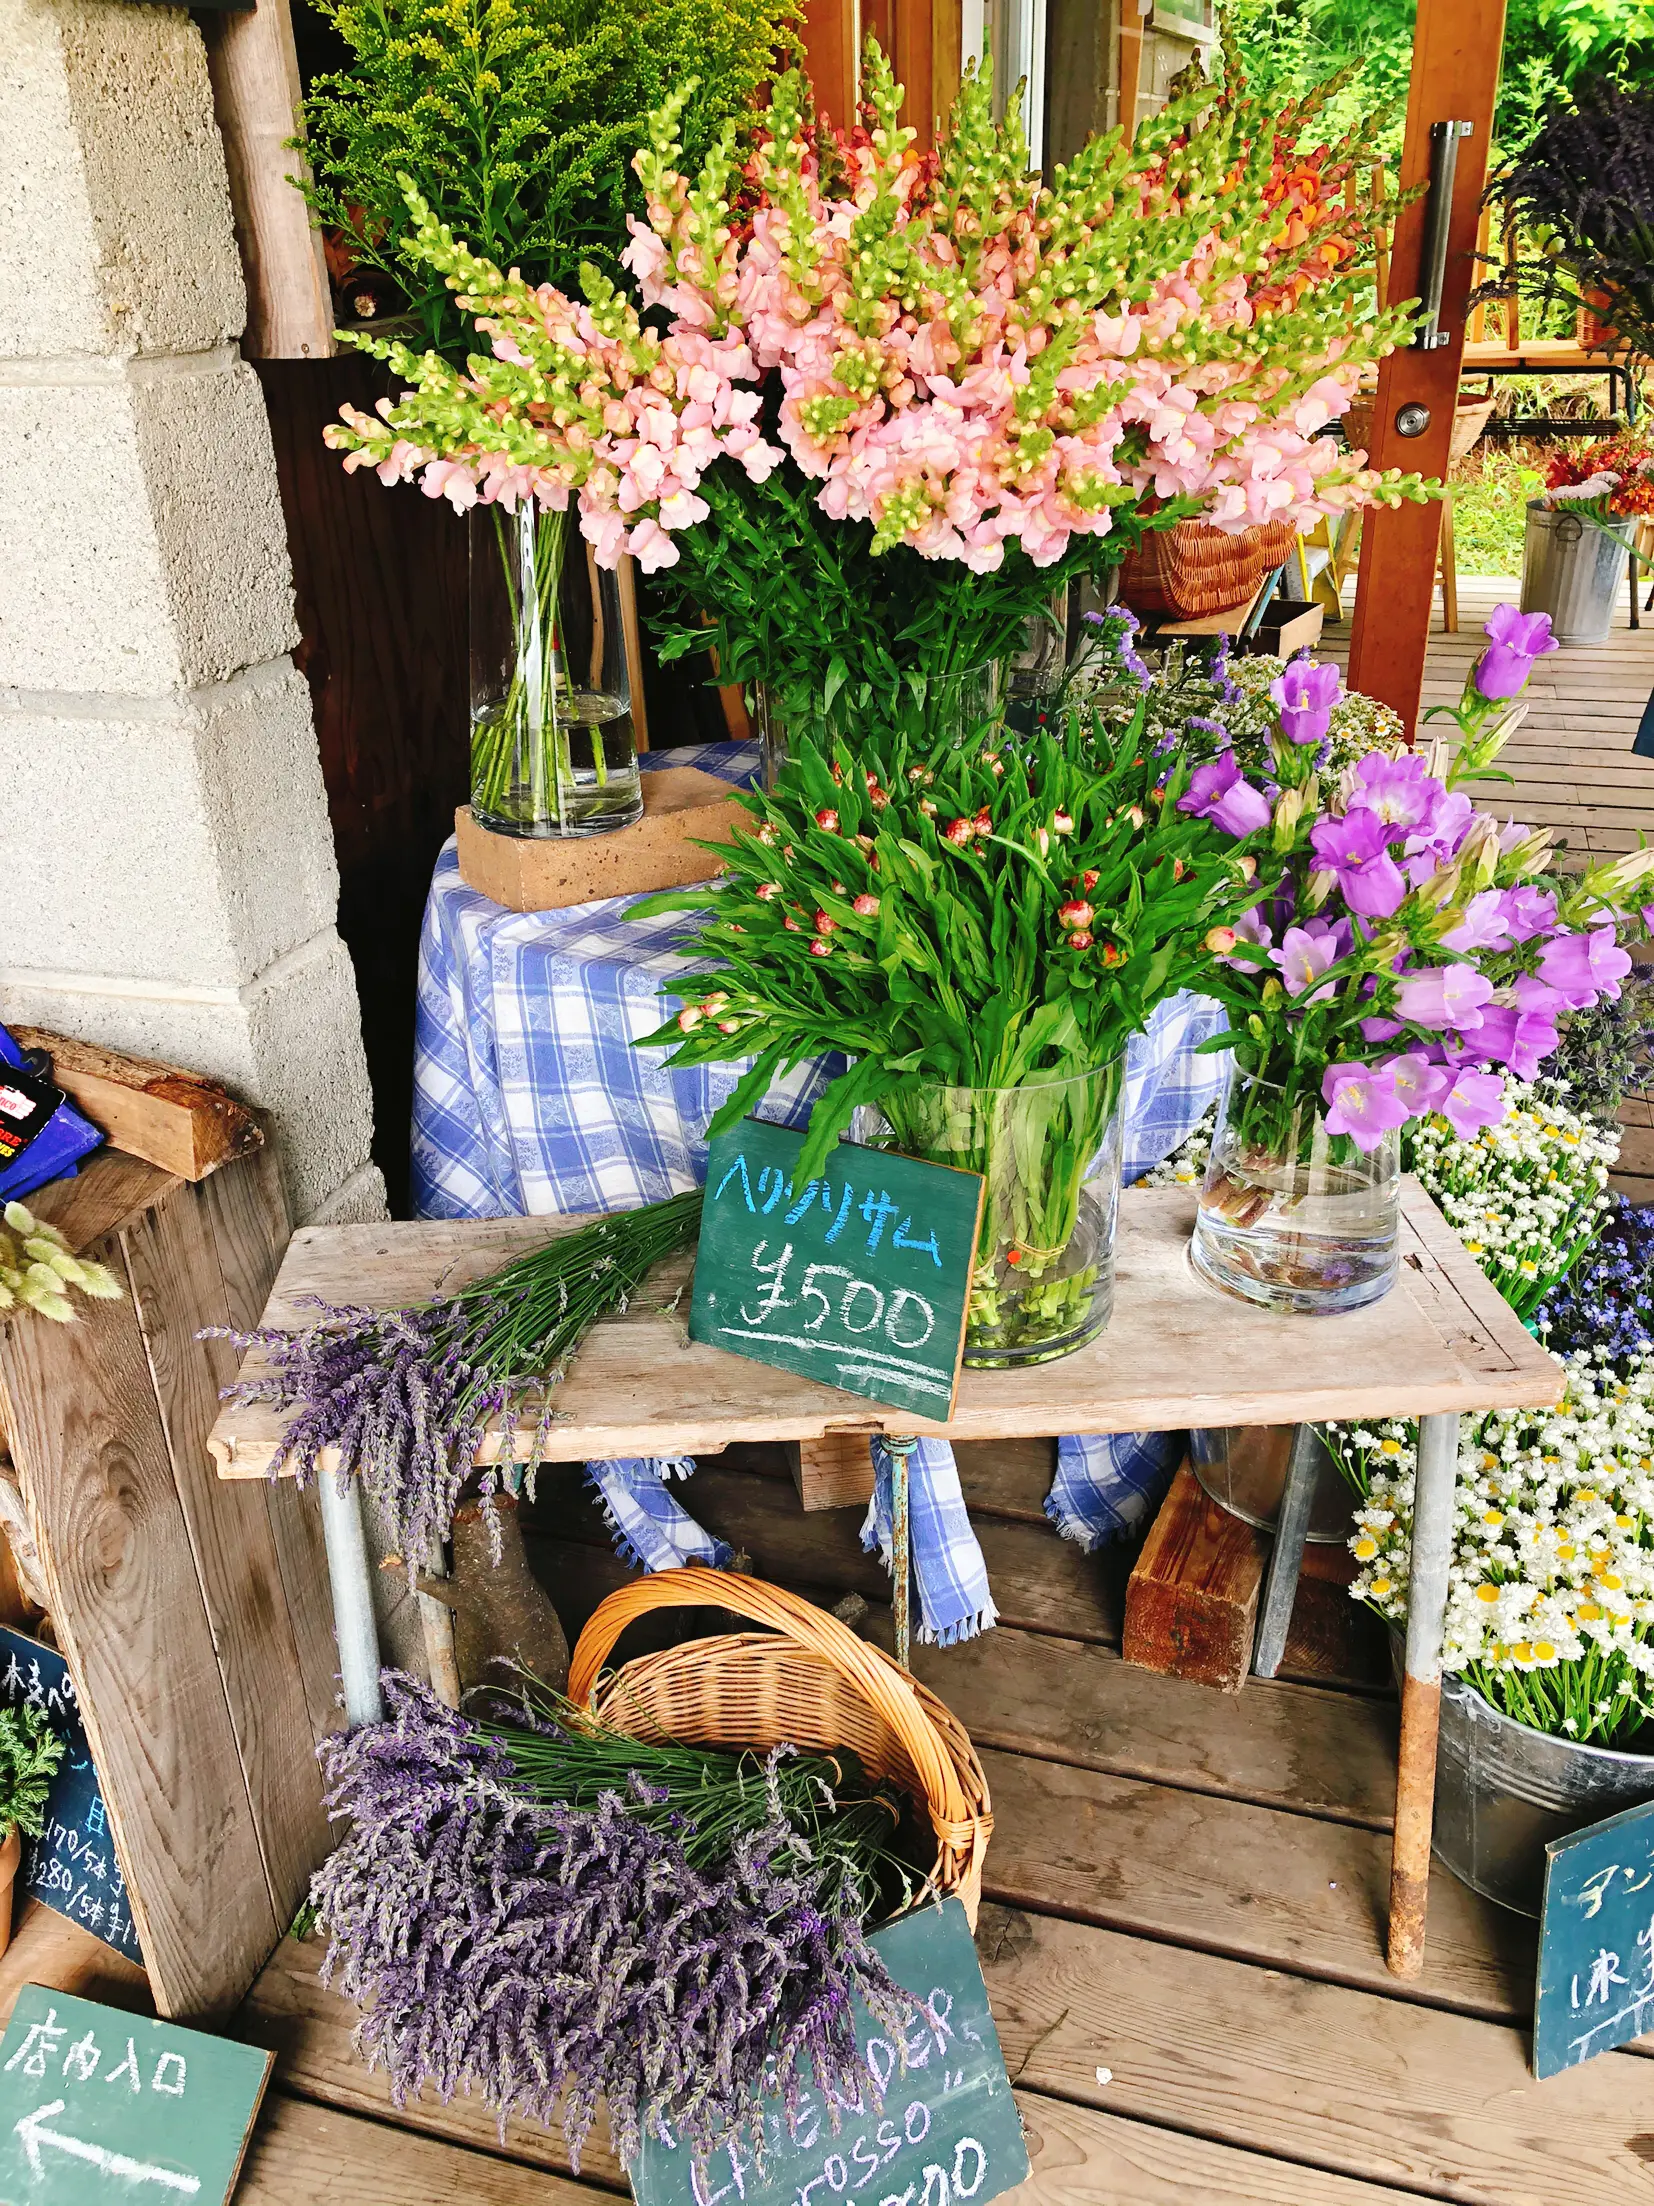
x=870, y=1671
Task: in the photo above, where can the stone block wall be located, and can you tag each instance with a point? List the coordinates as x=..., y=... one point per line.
x=167, y=877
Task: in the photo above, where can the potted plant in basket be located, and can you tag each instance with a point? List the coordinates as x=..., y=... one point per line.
x=982, y=929
x=1405, y=952
x=886, y=405
x=30, y=1751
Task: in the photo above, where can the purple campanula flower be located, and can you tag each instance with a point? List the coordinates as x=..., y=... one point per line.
x=1380, y=1030
x=1419, y=1084
x=1364, y=1102
x=1517, y=639
x=1475, y=1100
x=1303, y=957
x=1218, y=793
x=1398, y=791
x=1354, y=848
x=1306, y=694
x=1528, y=911
x=1533, y=994
x=1506, y=1035
x=1439, y=844
x=1443, y=996
x=1584, y=966
x=1484, y=926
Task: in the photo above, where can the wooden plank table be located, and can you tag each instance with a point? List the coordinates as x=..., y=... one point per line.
x=1176, y=1354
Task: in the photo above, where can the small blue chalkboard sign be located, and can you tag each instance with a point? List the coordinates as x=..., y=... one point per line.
x=1596, y=1942
x=943, y=2130
x=72, y=1867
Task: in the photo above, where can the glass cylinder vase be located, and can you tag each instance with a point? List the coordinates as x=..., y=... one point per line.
x=956, y=706
x=1291, y=1216
x=1049, y=1152
x=552, y=748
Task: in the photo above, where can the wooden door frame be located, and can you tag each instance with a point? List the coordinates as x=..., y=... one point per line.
x=1456, y=54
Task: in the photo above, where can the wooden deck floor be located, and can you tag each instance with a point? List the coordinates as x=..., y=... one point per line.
x=1181, y=1936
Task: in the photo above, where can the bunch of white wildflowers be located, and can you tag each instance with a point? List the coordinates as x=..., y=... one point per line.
x=1526, y=1196
x=38, y=1269
x=1186, y=1166
x=1550, y=1610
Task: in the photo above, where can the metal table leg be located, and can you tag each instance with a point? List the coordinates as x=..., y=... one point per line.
x=352, y=1583
x=1438, y=1466
x=899, y=1448
x=1281, y=1587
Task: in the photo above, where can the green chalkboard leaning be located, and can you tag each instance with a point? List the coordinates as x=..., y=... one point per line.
x=1596, y=1942
x=860, y=1278
x=946, y=2134
x=98, y=2105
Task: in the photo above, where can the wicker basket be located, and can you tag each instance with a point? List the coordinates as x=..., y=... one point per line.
x=807, y=1679
x=1470, y=417
x=1194, y=570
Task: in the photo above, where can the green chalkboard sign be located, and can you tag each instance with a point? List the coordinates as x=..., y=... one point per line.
x=859, y=1278
x=100, y=2108
x=1596, y=1942
x=944, y=2131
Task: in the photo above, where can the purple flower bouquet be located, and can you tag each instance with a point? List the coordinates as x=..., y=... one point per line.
x=1405, y=953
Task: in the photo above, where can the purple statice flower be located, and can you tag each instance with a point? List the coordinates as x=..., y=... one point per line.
x=550, y=1957
x=1305, y=695
x=1218, y=793
x=1120, y=625
x=1217, y=673
x=1584, y=966
x=1354, y=848
x=1606, y=1302
x=1517, y=639
x=1363, y=1101
x=1213, y=728
x=1443, y=996
x=1397, y=791
x=1303, y=957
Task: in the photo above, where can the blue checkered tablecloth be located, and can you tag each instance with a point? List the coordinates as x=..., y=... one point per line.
x=530, y=1099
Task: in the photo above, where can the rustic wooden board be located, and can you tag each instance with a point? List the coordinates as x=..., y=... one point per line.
x=46, y=1948
x=173, y=1256
x=1258, y=1884
x=80, y=1405
x=304, y=2155
x=1177, y=1354
x=108, y=1191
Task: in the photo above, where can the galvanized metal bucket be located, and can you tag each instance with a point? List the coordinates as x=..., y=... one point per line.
x=1572, y=568
x=1504, y=1791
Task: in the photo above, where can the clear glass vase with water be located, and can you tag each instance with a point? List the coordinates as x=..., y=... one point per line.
x=1291, y=1216
x=552, y=746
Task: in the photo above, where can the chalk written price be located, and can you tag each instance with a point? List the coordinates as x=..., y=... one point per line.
x=858, y=1277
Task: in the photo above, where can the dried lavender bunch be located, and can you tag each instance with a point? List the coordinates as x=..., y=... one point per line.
x=405, y=1396
x=543, y=1954
x=1607, y=1301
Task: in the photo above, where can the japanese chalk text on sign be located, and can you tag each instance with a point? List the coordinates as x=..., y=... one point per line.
x=1596, y=1942
x=857, y=1277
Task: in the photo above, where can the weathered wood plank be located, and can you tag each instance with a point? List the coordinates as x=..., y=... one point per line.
x=172, y=1253
x=1174, y=1355
x=1192, y=1598
x=1258, y=2059
x=301, y=2155
x=108, y=1191
x=46, y=1948
x=127, y=1606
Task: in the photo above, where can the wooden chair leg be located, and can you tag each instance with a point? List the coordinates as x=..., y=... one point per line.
x=1449, y=571
x=1438, y=1468
x=1344, y=557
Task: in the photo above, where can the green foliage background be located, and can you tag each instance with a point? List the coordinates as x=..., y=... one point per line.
x=518, y=120
x=1284, y=46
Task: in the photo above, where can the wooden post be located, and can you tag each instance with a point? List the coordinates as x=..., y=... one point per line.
x=255, y=82
x=1421, y=1689
x=830, y=57
x=1456, y=49
x=1131, y=63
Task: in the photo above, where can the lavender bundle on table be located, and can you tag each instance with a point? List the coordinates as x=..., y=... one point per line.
x=405, y=1396
x=548, y=1954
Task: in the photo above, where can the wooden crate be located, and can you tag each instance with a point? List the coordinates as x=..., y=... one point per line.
x=194, y=1616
